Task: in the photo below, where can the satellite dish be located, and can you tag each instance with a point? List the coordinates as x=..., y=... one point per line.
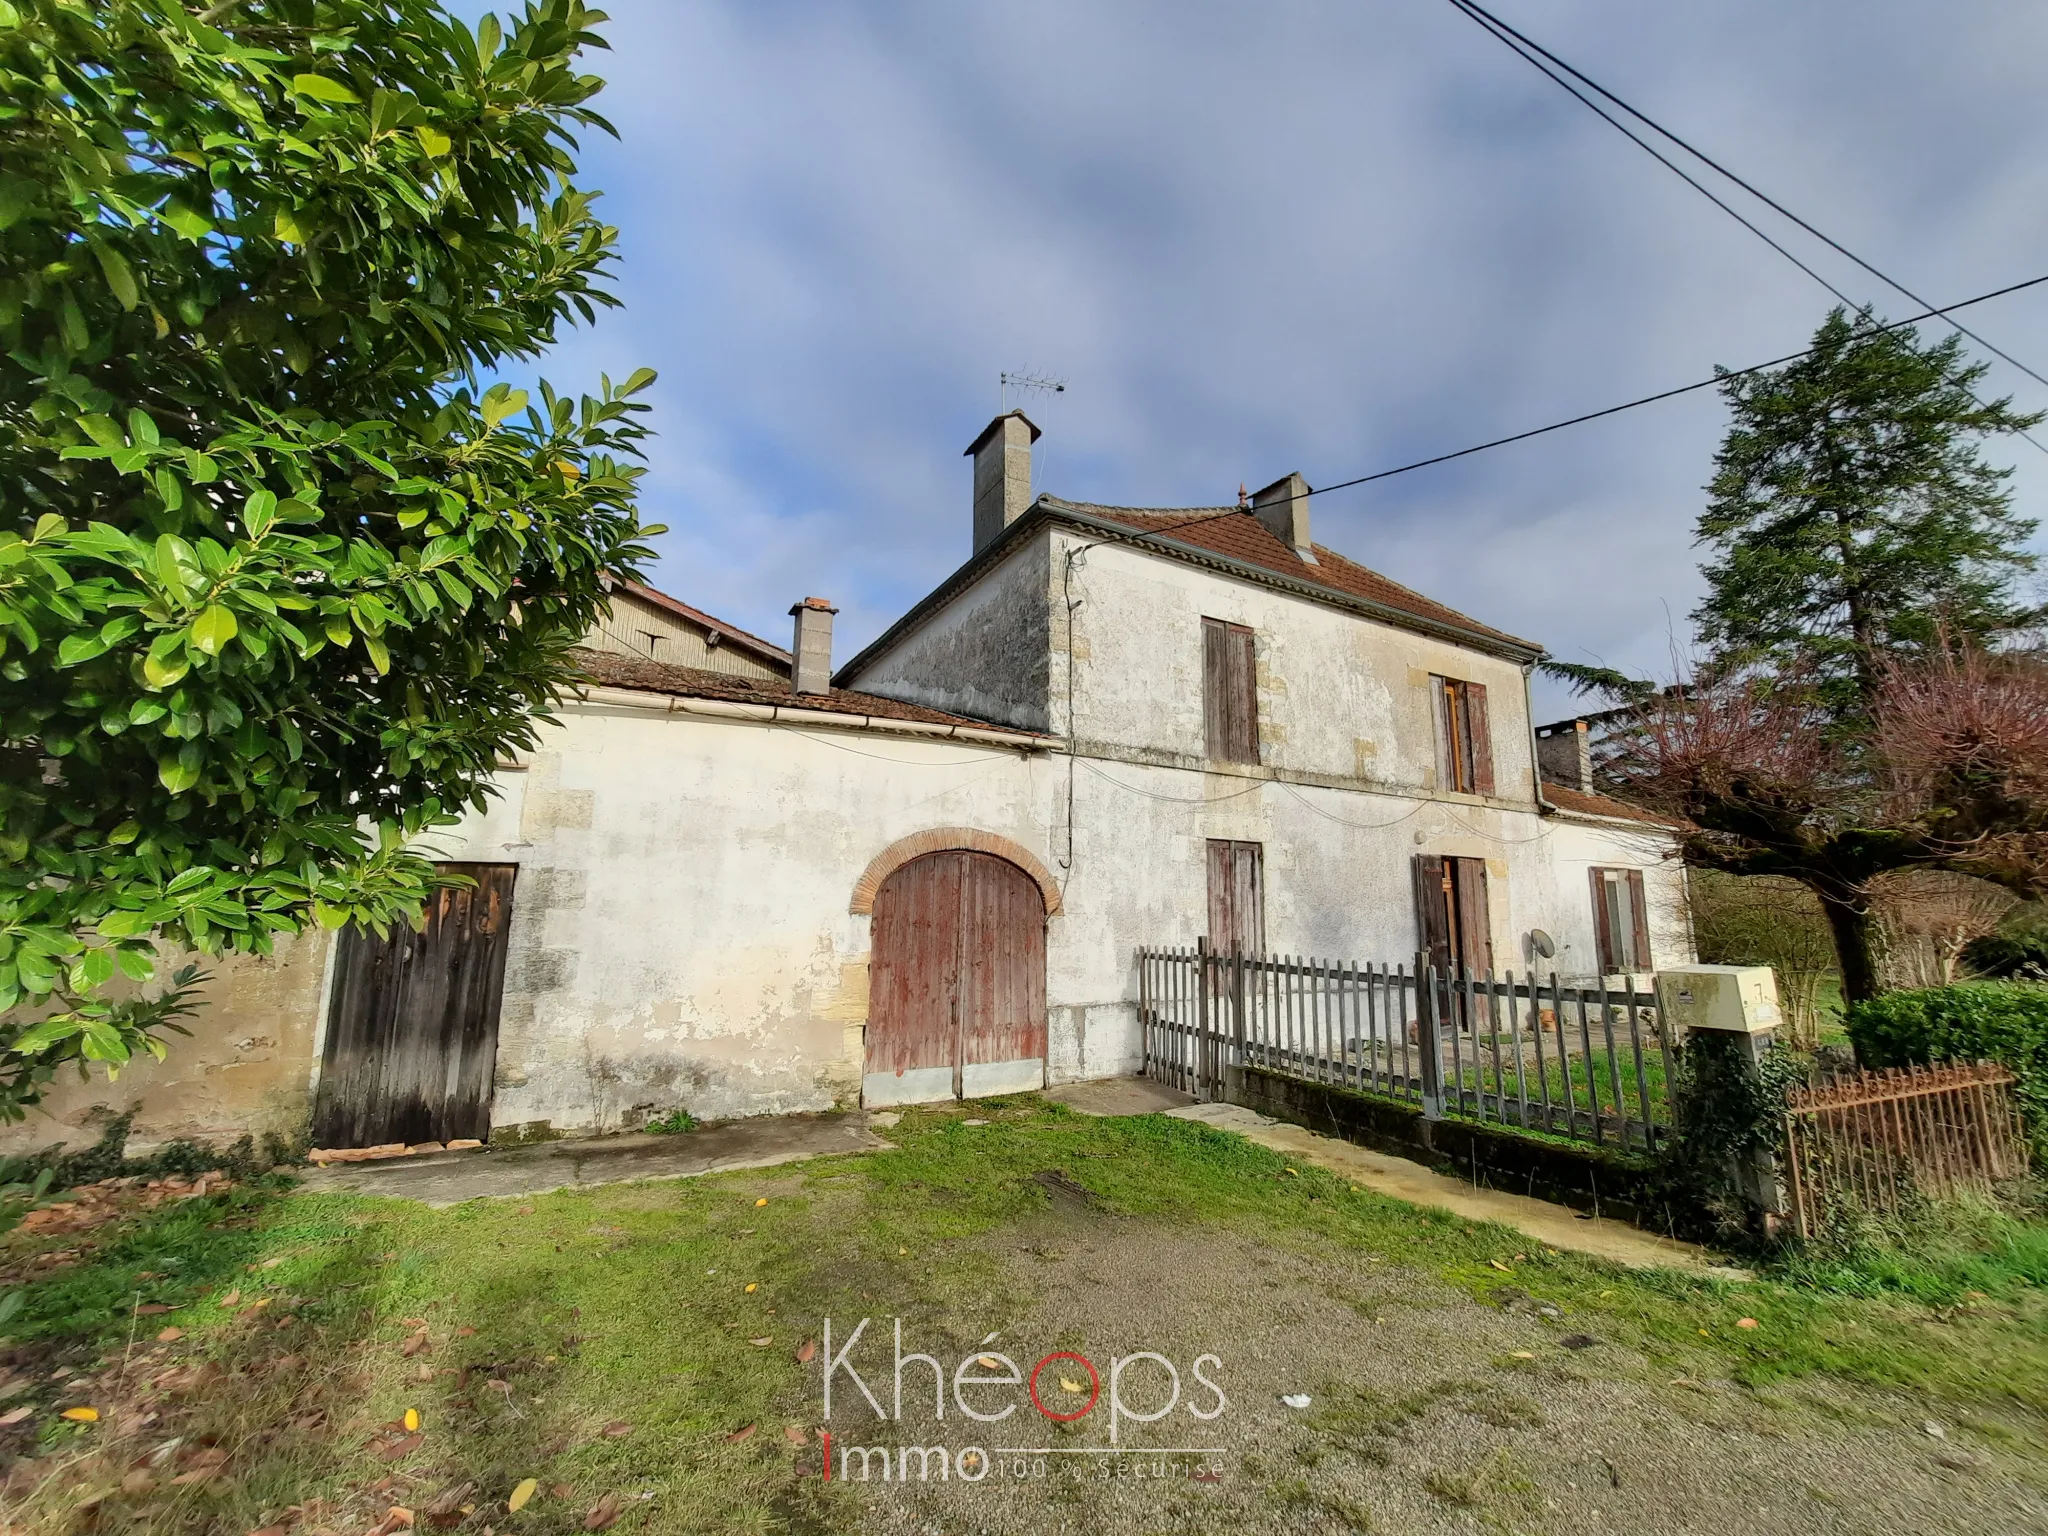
x=1542, y=944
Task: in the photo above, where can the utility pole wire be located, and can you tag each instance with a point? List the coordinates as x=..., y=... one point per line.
x=1528, y=49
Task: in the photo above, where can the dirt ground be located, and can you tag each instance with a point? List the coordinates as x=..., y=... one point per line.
x=1427, y=1412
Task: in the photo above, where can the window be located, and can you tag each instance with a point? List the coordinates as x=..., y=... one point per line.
x=1621, y=921
x=1237, y=898
x=1464, y=742
x=1230, y=693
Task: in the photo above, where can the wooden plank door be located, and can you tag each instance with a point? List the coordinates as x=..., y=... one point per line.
x=956, y=984
x=412, y=1029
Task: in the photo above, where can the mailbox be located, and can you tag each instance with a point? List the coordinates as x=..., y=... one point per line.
x=1734, y=999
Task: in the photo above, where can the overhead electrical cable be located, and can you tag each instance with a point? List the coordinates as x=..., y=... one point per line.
x=1539, y=56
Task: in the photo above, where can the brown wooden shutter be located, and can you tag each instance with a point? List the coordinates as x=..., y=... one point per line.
x=1603, y=931
x=1480, y=747
x=1221, y=890
x=1237, y=914
x=1444, y=718
x=1433, y=910
x=1230, y=692
x=1215, y=670
x=1639, y=917
x=1244, y=695
x=1475, y=926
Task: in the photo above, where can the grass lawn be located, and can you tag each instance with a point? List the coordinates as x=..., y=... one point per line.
x=646, y=1354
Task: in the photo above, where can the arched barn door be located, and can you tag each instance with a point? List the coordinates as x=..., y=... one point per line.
x=956, y=985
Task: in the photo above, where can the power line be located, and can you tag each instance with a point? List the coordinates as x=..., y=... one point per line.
x=1529, y=49
x=1612, y=410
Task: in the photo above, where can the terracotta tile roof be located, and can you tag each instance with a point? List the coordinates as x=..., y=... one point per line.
x=718, y=626
x=1238, y=535
x=612, y=671
x=1578, y=802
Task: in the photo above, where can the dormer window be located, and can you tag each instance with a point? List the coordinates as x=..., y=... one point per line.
x=1230, y=693
x=1464, y=742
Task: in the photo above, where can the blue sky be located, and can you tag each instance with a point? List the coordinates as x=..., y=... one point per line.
x=1263, y=237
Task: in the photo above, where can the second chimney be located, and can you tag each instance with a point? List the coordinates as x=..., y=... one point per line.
x=1002, y=474
x=811, y=649
x=1283, y=508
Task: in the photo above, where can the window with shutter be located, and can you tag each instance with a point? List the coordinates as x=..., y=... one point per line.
x=1464, y=736
x=1621, y=921
x=1237, y=906
x=1230, y=692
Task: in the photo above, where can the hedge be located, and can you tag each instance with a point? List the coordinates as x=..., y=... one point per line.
x=2002, y=1021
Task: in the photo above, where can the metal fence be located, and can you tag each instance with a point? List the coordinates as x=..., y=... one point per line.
x=1866, y=1141
x=1589, y=1063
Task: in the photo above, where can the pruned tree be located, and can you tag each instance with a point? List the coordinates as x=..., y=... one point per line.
x=283, y=571
x=1949, y=773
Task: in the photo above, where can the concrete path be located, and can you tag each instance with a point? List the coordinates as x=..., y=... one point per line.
x=449, y=1178
x=1120, y=1096
x=1557, y=1226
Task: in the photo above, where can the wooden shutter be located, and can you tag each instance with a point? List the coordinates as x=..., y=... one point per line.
x=1639, y=920
x=1215, y=669
x=1479, y=738
x=1474, y=913
x=1433, y=910
x=1236, y=897
x=1230, y=692
x=1603, y=927
x=1444, y=717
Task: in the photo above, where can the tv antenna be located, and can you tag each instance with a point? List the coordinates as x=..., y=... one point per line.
x=1030, y=383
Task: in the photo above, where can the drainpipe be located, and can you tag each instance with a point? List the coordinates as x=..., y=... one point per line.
x=1543, y=806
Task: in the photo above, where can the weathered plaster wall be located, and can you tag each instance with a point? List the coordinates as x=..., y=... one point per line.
x=246, y=1065
x=1340, y=696
x=986, y=654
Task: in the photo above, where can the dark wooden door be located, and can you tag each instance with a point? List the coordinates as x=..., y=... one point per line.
x=957, y=977
x=412, y=1030
x=1453, y=920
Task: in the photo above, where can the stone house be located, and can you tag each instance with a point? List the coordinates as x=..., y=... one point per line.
x=735, y=881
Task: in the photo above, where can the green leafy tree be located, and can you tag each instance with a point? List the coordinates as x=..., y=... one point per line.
x=1853, y=516
x=281, y=579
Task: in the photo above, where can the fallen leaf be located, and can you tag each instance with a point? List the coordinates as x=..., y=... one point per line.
x=521, y=1494
x=465, y=1332
x=424, y=1374
x=404, y=1447
x=499, y=1386
x=414, y=1344
x=15, y=1415
x=618, y=1429
x=81, y=1415
x=1496, y=1263
x=525, y=1210
x=141, y=1480
x=450, y=1505
x=412, y=1419
x=151, y=1309
x=760, y=1202
x=561, y=1490
x=987, y=1362
x=397, y=1515
x=762, y=1342
x=1522, y=1354
x=1069, y=1386
x=902, y=1250
x=270, y=1263
x=796, y=1435
x=739, y=1434
x=602, y=1513
x=196, y=1475
x=231, y=1298
x=806, y=1351
x=753, y=1286
x=1704, y=1334
x=1745, y=1322
x=1295, y=1399
x=1295, y=1172
x=165, y=1335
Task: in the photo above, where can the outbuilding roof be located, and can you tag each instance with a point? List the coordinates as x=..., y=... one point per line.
x=1575, y=802
x=613, y=671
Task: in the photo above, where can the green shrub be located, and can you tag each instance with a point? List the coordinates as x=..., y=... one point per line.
x=2002, y=1021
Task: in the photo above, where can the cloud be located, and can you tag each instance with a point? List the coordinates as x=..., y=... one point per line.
x=1264, y=237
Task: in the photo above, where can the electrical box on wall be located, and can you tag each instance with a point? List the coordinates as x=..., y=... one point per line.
x=1736, y=999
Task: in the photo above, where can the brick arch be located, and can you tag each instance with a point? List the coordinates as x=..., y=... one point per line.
x=941, y=840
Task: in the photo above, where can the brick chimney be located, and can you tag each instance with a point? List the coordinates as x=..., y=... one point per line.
x=811, y=650
x=1564, y=755
x=1283, y=508
x=1002, y=474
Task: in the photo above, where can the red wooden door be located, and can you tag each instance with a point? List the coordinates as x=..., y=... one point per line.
x=956, y=994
